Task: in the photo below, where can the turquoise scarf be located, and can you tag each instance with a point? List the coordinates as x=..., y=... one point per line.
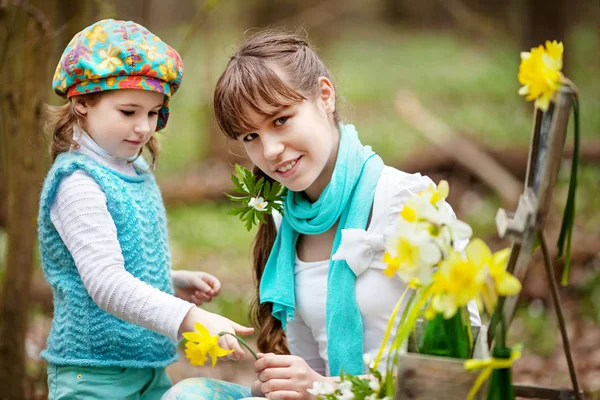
x=348, y=198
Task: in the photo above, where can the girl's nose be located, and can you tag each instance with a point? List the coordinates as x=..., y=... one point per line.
x=272, y=147
x=142, y=127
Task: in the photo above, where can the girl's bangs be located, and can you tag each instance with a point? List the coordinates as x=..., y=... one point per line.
x=249, y=84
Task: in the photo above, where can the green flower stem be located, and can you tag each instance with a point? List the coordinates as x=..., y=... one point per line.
x=246, y=345
x=566, y=230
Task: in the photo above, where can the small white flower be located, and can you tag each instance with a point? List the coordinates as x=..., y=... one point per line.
x=258, y=203
x=345, y=386
x=372, y=396
x=321, y=389
x=346, y=395
x=374, y=385
x=369, y=360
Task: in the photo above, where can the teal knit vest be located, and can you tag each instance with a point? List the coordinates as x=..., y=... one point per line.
x=82, y=333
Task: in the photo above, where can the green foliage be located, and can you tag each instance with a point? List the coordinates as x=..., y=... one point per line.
x=245, y=183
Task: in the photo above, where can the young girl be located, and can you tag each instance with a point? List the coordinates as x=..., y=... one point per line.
x=322, y=298
x=102, y=223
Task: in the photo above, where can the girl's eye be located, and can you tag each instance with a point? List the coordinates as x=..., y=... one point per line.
x=128, y=113
x=153, y=113
x=280, y=121
x=249, y=137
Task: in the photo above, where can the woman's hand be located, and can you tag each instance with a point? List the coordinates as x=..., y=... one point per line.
x=216, y=324
x=195, y=286
x=283, y=377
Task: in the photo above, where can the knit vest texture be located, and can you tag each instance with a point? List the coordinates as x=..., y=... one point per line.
x=82, y=333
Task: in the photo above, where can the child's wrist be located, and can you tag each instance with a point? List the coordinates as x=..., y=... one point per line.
x=195, y=314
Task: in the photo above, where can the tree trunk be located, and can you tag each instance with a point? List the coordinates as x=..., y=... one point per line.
x=24, y=79
x=72, y=16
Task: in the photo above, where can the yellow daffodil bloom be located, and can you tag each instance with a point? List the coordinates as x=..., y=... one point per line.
x=480, y=276
x=457, y=281
x=539, y=73
x=427, y=200
x=440, y=193
x=195, y=353
x=200, y=344
x=501, y=282
x=411, y=253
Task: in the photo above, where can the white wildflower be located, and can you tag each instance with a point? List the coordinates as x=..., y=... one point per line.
x=321, y=388
x=345, y=386
x=258, y=203
x=374, y=385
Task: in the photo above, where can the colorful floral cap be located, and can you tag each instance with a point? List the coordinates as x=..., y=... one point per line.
x=113, y=54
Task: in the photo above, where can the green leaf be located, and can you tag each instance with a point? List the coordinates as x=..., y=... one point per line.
x=240, y=191
x=236, y=198
x=261, y=218
x=235, y=211
x=259, y=186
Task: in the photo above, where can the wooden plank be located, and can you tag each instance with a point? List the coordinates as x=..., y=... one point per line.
x=540, y=392
x=423, y=377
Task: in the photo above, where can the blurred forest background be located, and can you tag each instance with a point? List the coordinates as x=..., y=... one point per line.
x=400, y=67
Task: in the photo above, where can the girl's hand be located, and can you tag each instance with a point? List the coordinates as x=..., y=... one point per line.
x=284, y=377
x=195, y=286
x=216, y=324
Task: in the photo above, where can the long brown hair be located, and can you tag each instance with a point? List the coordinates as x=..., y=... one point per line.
x=249, y=82
x=61, y=120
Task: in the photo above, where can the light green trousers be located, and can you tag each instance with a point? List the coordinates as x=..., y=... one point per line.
x=70, y=382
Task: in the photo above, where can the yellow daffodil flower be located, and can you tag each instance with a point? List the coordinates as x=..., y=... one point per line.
x=411, y=253
x=427, y=200
x=501, y=282
x=195, y=353
x=539, y=73
x=457, y=281
x=200, y=344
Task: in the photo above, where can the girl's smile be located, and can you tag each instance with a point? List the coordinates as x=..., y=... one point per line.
x=288, y=169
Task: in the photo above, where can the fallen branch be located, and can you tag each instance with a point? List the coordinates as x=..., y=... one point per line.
x=461, y=149
x=513, y=158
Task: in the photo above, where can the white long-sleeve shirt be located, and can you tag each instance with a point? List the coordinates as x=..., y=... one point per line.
x=376, y=294
x=80, y=215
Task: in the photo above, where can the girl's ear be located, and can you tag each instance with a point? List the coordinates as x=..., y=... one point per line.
x=81, y=106
x=327, y=94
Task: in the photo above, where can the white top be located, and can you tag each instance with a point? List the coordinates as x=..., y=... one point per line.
x=80, y=215
x=376, y=294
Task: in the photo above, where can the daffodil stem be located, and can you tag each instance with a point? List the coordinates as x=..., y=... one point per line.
x=246, y=345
